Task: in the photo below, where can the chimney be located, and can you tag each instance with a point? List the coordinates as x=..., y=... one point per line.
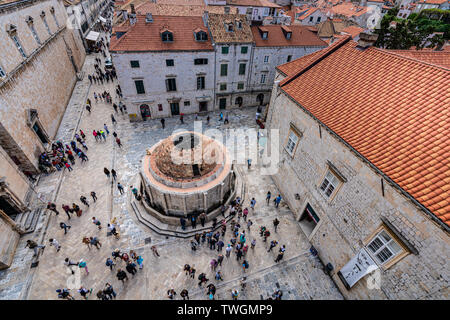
x=205, y=18
x=366, y=40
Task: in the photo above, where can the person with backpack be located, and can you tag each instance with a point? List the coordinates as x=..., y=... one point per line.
x=64, y=226
x=84, y=201
x=116, y=254
x=64, y=294
x=140, y=262
x=266, y=235
x=234, y=294
x=219, y=275
x=245, y=265
x=93, y=195
x=97, y=223
x=109, y=291
x=95, y=242
x=83, y=264
x=131, y=267
x=277, y=200
x=171, y=294
x=202, y=278
x=184, y=294
x=276, y=222
x=55, y=243
x=109, y=263
x=33, y=245
x=84, y=292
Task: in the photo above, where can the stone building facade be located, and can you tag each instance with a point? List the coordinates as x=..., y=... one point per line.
x=222, y=71
x=39, y=61
x=343, y=202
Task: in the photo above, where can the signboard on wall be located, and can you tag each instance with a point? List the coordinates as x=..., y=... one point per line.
x=356, y=268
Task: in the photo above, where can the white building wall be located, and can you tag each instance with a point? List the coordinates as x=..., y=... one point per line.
x=153, y=71
x=277, y=56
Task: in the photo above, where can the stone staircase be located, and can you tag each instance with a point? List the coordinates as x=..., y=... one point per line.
x=27, y=221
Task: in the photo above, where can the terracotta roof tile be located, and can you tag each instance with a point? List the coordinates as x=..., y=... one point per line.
x=221, y=35
x=146, y=36
x=179, y=10
x=393, y=110
x=441, y=58
x=301, y=36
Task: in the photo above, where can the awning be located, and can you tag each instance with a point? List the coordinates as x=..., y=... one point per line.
x=102, y=19
x=93, y=36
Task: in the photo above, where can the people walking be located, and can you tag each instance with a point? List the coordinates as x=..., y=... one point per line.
x=279, y=257
x=276, y=222
x=277, y=200
x=64, y=226
x=83, y=264
x=120, y=187
x=52, y=207
x=121, y=275
x=106, y=171
x=163, y=121
x=55, y=243
x=171, y=294
x=109, y=263
x=273, y=244
x=252, y=203
x=155, y=251
x=66, y=209
x=268, y=197
x=84, y=201
x=94, y=196
x=33, y=245
x=97, y=223
x=184, y=294
x=131, y=268
x=114, y=174
x=109, y=291
x=118, y=142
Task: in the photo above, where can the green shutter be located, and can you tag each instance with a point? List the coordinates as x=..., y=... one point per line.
x=242, y=68
x=224, y=69
x=244, y=50
x=224, y=50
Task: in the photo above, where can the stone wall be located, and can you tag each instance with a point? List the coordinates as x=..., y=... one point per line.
x=349, y=219
x=43, y=81
x=17, y=182
x=8, y=243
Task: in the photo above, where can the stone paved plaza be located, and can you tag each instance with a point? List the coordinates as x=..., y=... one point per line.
x=299, y=275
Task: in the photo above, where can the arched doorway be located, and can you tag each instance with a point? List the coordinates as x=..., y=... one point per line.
x=145, y=111
x=238, y=101
x=260, y=99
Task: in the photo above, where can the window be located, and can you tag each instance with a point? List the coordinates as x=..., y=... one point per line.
x=238, y=24
x=311, y=19
x=160, y=108
x=35, y=35
x=171, y=84
x=139, y=86
x=289, y=58
x=264, y=35
x=18, y=45
x=46, y=25
x=200, y=61
x=288, y=35
x=292, y=142
x=200, y=83
x=230, y=27
x=201, y=36
x=244, y=50
x=240, y=85
x=263, y=78
x=223, y=86
x=134, y=63
x=225, y=50
x=167, y=36
x=242, y=68
x=187, y=103
x=329, y=184
x=266, y=59
x=318, y=19
x=2, y=73
x=383, y=247
x=224, y=70
x=170, y=63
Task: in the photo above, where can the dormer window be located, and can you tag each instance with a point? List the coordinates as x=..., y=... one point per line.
x=230, y=27
x=264, y=32
x=167, y=36
x=201, y=36
x=238, y=24
x=287, y=32
x=265, y=35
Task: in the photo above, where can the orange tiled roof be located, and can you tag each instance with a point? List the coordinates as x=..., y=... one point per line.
x=440, y=58
x=146, y=36
x=348, y=9
x=253, y=3
x=219, y=33
x=353, y=30
x=433, y=1
x=301, y=36
x=307, y=13
x=393, y=110
x=159, y=9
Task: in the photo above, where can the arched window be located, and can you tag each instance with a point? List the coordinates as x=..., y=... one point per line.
x=167, y=36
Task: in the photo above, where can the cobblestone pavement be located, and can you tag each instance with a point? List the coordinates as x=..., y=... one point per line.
x=299, y=275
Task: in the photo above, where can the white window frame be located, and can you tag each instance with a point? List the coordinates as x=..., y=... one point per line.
x=292, y=142
x=329, y=184
x=266, y=59
x=263, y=78
x=19, y=45
x=383, y=244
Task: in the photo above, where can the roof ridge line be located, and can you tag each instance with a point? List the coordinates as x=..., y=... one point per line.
x=121, y=38
x=320, y=57
x=411, y=58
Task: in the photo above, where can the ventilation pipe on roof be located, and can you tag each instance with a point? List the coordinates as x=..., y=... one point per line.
x=366, y=40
